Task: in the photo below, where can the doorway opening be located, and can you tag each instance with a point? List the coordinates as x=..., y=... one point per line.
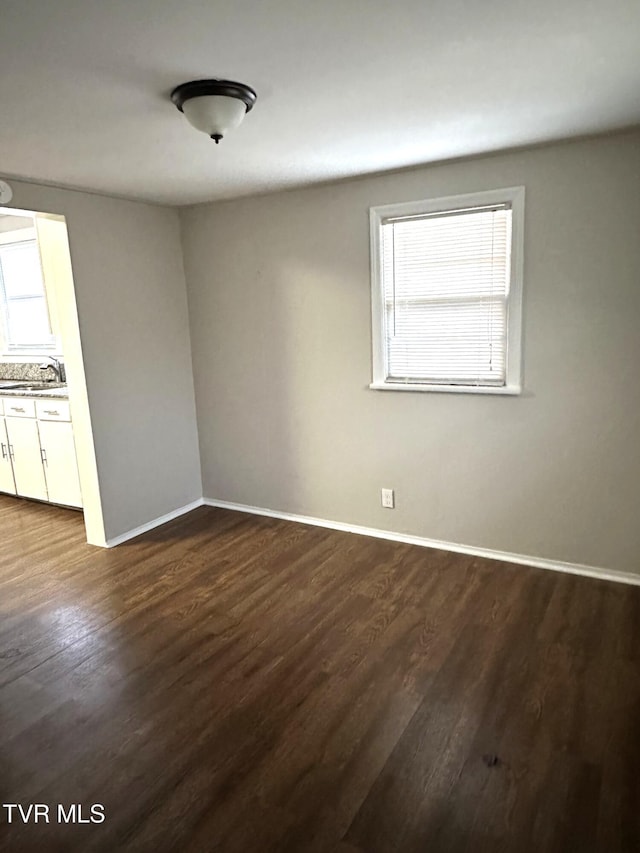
x=46, y=438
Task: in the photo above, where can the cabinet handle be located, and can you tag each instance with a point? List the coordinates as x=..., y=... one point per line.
x=51, y=412
x=4, y=452
x=17, y=409
x=43, y=455
x=11, y=453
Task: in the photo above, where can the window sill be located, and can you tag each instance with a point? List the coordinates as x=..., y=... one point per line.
x=501, y=390
x=37, y=352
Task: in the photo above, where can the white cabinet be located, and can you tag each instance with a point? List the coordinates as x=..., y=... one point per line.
x=59, y=460
x=7, y=483
x=24, y=448
x=37, y=451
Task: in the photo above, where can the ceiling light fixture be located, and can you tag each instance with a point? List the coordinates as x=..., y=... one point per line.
x=214, y=106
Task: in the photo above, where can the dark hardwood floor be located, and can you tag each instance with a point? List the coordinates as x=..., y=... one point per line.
x=235, y=683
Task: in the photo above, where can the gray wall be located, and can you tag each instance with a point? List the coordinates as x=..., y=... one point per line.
x=130, y=293
x=280, y=327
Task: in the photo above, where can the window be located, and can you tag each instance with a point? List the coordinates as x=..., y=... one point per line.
x=446, y=293
x=23, y=301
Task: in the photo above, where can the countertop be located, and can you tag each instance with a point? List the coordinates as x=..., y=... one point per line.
x=46, y=390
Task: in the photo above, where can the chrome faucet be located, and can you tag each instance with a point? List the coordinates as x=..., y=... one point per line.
x=52, y=364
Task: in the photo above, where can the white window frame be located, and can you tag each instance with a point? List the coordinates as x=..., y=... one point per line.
x=514, y=196
x=51, y=345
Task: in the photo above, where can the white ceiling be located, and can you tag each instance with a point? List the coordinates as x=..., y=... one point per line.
x=345, y=87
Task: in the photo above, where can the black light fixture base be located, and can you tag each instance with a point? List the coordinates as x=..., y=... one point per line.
x=201, y=88
x=216, y=137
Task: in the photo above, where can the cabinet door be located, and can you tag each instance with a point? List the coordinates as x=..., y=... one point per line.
x=24, y=445
x=60, y=466
x=7, y=483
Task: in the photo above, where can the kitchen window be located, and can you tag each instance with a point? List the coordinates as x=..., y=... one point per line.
x=23, y=302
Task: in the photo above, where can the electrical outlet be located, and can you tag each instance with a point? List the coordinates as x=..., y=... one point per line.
x=387, y=498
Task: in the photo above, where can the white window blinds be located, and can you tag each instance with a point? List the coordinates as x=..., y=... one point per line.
x=22, y=296
x=445, y=282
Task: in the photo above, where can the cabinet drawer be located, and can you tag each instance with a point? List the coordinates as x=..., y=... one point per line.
x=53, y=410
x=19, y=408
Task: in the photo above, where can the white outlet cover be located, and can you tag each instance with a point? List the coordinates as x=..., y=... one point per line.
x=6, y=193
x=388, y=498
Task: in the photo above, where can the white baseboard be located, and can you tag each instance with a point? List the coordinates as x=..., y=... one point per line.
x=520, y=559
x=156, y=522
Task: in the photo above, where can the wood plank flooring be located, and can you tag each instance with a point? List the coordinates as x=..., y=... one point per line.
x=235, y=683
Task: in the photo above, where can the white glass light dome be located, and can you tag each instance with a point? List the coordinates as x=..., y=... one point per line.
x=214, y=114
